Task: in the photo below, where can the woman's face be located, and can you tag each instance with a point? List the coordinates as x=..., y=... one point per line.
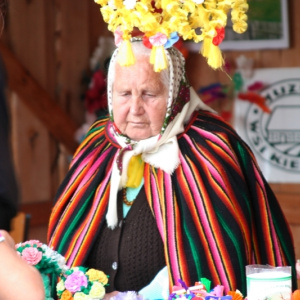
x=139, y=100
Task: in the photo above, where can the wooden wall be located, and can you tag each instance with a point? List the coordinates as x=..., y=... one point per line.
x=51, y=42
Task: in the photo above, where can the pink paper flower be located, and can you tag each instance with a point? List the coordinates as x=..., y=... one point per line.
x=218, y=290
x=75, y=281
x=33, y=242
x=158, y=39
x=32, y=255
x=118, y=37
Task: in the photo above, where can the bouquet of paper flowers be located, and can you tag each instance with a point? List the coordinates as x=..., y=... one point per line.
x=81, y=283
x=76, y=283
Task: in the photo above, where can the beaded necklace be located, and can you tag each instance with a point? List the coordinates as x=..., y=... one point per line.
x=127, y=202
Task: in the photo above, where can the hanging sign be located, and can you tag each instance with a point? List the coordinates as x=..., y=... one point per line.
x=274, y=135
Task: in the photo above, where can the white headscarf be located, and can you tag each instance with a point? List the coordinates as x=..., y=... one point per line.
x=160, y=151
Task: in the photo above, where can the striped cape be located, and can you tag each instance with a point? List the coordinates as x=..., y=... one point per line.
x=215, y=213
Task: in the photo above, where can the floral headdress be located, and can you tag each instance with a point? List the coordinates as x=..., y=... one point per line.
x=163, y=21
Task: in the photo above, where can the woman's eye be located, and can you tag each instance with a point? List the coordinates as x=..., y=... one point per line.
x=149, y=94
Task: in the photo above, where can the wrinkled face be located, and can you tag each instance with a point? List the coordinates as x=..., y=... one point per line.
x=139, y=100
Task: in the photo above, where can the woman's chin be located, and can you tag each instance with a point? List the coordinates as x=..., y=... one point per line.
x=138, y=132
x=138, y=137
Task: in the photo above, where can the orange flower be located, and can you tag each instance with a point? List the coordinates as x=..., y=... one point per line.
x=66, y=295
x=296, y=295
x=237, y=295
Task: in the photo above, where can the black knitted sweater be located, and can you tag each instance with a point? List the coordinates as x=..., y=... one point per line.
x=131, y=254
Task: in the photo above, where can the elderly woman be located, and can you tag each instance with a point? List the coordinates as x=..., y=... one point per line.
x=165, y=182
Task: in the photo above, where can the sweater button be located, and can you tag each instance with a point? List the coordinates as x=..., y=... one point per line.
x=114, y=265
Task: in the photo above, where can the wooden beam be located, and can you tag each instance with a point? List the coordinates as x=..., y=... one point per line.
x=59, y=124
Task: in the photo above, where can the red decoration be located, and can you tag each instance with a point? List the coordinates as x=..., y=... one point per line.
x=256, y=86
x=159, y=11
x=255, y=98
x=95, y=96
x=146, y=42
x=217, y=40
x=182, y=48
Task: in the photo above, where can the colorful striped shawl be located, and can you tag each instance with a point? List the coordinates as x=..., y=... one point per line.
x=216, y=213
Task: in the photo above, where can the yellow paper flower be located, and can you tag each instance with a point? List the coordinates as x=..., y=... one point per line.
x=97, y=290
x=81, y=296
x=96, y=275
x=60, y=286
x=101, y=2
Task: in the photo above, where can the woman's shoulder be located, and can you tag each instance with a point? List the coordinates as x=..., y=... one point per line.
x=99, y=124
x=206, y=126
x=96, y=137
x=211, y=122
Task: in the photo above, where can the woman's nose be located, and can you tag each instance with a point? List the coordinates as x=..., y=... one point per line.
x=137, y=105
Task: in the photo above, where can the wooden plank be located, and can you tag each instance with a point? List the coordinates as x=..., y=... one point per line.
x=198, y=72
x=73, y=52
x=286, y=188
x=29, y=37
x=59, y=124
x=28, y=30
x=31, y=34
x=40, y=212
x=290, y=206
x=49, y=49
x=296, y=234
x=31, y=153
x=97, y=27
